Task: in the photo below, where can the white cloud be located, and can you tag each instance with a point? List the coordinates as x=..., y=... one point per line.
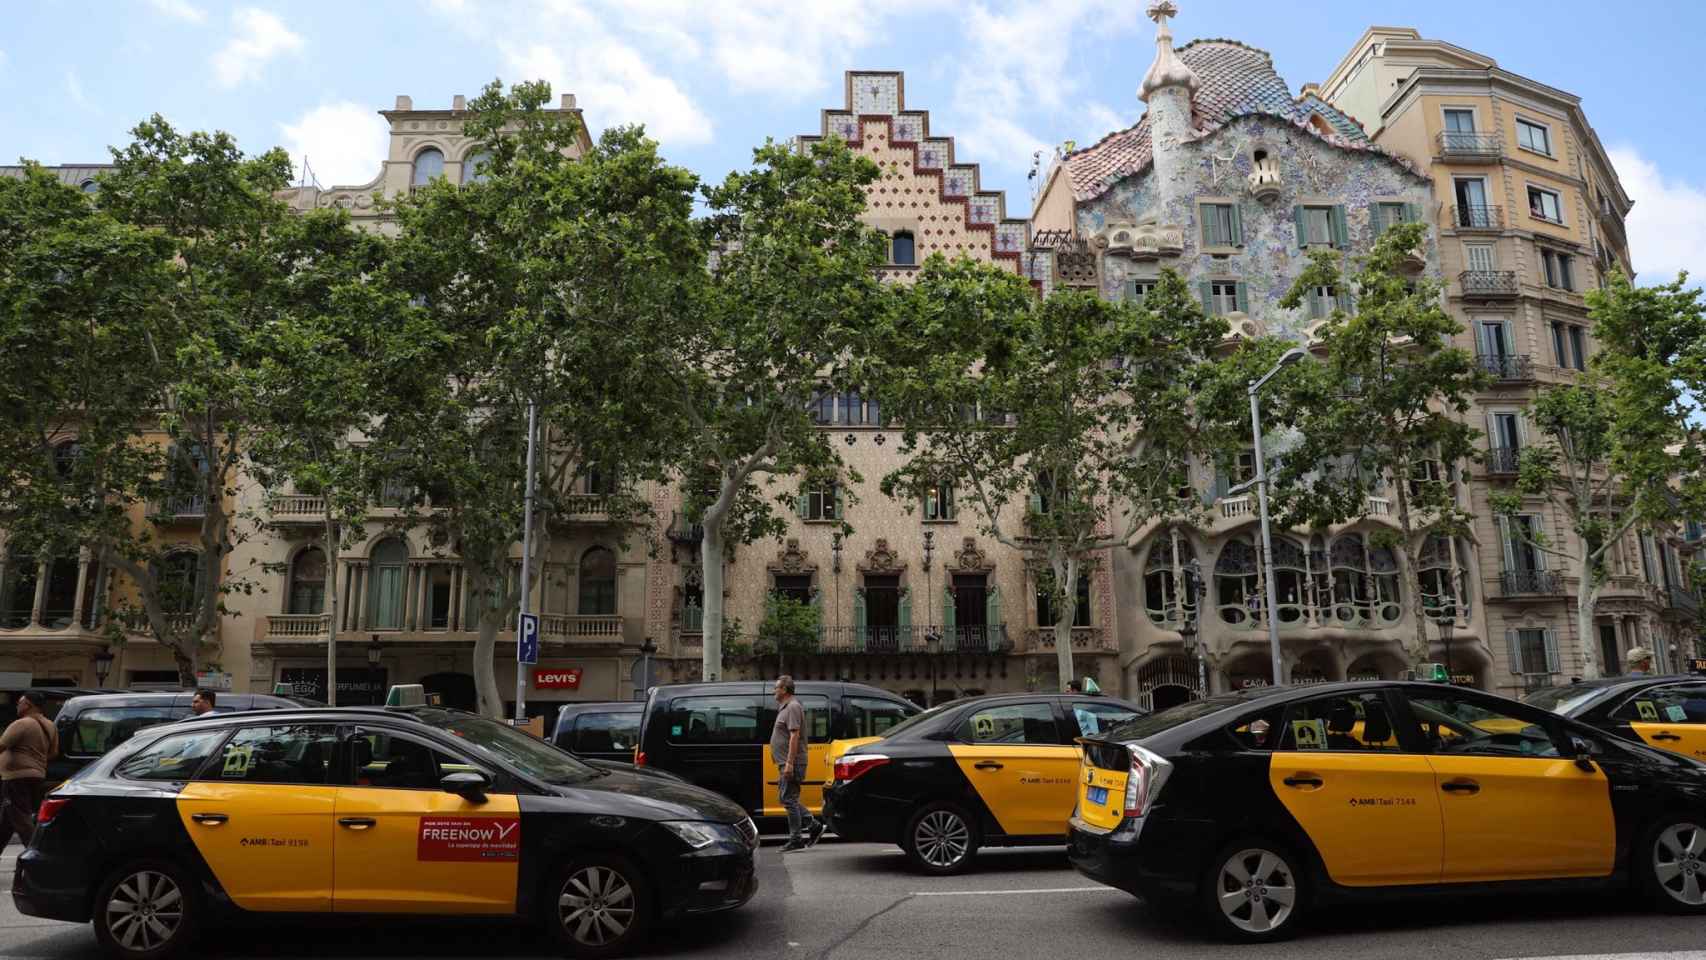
x=344, y=143
x=1667, y=227
x=74, y=89
x=180, y=10
x=616, y=84
x=258, y=38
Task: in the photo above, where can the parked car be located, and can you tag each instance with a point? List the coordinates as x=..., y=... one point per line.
x=380, y=811
x=599, y=731
x=982, y=772
x=90, y=725
x=52, y=700
x=717, y=735
x=1250, y=809
x=1664, y=712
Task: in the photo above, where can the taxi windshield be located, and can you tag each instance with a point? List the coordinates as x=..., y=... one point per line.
x=1167, y=719
x=531, y=756
x=1564, y=701
x=919, y=718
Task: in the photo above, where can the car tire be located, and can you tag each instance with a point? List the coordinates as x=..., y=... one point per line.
x=146, y=910
x=940, y=839
x=597, y=905
x=1672, y=863
x=1253, y=892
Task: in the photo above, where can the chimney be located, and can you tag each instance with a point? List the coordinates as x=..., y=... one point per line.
x=404, y=103
x=1167, y=88
x=568, y=101
x=459, y=102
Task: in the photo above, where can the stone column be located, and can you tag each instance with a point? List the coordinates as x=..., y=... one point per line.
x=38, y=612
x=423, y=613
x=82, y=586
x=411, y=572
x=458, y=602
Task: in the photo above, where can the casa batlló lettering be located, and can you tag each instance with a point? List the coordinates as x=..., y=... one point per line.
x=469, y=839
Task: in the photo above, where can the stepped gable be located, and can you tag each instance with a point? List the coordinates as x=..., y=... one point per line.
x=1235, y=80
x=924, y=185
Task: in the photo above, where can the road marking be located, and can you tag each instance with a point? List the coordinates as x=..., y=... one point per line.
x=1644, y=955
x=988, y=893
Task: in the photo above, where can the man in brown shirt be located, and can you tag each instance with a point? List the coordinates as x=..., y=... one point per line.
x=25, y=747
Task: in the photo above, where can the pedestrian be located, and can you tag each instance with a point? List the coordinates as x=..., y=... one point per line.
x=25, y=747
x=788, y=747
x=1073, y=686
x=203, y=701
x=1639, y=661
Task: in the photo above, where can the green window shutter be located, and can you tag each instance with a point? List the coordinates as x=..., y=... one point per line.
x=1341, y=230
x=904, y=617
x=800, y=504
x=1412, y=213
x=1237, y=239
x=1129, y=291
x=1222, y=483
x=1243, y=298
x=1299, y=221
x=858, y=621
x=1375, y=220
x=817, y=604
x=840, y=504
x=949, y=634
x=1036, y=502
x=1553, y=663
x=929, y=507
x=1342, y=296
x=992, y=607
x=1206, y=290
x=1513, y=649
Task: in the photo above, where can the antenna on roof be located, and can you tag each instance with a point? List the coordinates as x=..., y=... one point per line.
x=308, y=174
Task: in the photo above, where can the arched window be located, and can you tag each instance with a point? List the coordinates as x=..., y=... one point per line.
x=308, y=582
x=474, y=167
x=1383, y=565
x=89, y=187
x=65, y=454
x=1352, y=602
x=902, y=250
x=1291, y=574
x=18, y=589
x=179, y=577
x=387, y=570
x=598, y=583
x=1163, y=573
x=1439, y=592
x=1235, y=590
x=429, y=166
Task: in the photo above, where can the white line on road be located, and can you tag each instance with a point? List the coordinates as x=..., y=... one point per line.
x=987, y=893
x=1649, y=955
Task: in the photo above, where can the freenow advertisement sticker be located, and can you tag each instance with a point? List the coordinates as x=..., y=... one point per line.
x=464, y=839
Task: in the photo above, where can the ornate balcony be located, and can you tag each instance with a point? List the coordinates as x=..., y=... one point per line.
x=1084, y=639
x=1489, y=284
x=298, y=627
x=1680, y=604
x=915, y=639
x=184, y=509
x=585, y=508
x=1477, y=216
x=1469, y=146
x=586, y=629
x=1237, y=508
x=293, y=508
x=682, y=532
x=1511, y=368
x=1504, y=461
x=1531, y=583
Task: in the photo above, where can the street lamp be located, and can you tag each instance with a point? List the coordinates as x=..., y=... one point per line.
x=932, y=644
x=374, y=650
x=647, y=650
x=1446, y=624
x=1287, y=359
x=929, y=586
x=1189, y=634
x=103, y=666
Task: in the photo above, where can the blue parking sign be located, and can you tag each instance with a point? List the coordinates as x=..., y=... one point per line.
x=527, y=639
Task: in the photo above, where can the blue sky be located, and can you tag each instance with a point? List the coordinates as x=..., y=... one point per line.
x=712, y=78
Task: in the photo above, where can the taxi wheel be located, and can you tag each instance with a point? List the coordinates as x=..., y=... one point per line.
x=1676, y=864
x=1253, y=892
x=145, y=911
x=598, y=906
x=940, y=839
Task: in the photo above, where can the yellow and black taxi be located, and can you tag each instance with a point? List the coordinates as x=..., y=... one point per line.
x=416, y=810
x=985, y=771
x=1668, y=712
x=1252, y=808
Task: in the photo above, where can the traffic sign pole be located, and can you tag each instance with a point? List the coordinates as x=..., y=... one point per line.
x=526, y=625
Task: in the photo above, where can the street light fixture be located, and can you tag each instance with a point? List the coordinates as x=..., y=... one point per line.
x=1287, y=359
x=1190, y=636
x=103, y=666
x=933, y=645
x=374, y=650
x=648, y=649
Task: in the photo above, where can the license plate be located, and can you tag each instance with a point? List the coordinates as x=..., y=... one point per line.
x=1097, y=795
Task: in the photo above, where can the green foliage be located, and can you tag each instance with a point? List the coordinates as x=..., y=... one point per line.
x=789, y=625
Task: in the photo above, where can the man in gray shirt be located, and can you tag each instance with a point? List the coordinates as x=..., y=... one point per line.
x=788, y=745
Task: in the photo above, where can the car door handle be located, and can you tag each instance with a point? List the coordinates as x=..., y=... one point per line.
x=209, y=819
x=1666, y=736
x=1303, y=781
x=988, y=765
x=1460, y=786
x=356, y=823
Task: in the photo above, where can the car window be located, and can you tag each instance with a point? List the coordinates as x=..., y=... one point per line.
x=606, y=733
x=817, y=718
x=1455, y=724
x=175, y=757
x=1030, y=723
x=870, y=717
x=716, y=720
x=1676, y=703
x=391, y=762
x=1565, y=700
x=1258, y=732
x=287, y=753
x=1348, y=721
x=1095, y=718
x=96, y=731
x=506, y=744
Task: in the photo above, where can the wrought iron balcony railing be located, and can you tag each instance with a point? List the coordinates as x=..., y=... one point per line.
x=1478, y=217
x=1504, y=461
x=1508, y=368
x=680, y=531
x=190, y=507
x=1457, y=145
x=1516, y=583
x=1684, y=604
x=916, y=639
x=1488, y=284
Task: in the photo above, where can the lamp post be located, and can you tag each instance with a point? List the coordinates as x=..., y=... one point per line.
x=932, y=644
x=929, y=589
x=1190, y=635
x=1446, y=624
x=1290, y=357
x=103, y=666
x=647, y=649
x=374, y=650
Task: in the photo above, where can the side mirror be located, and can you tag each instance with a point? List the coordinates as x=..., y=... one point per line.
x=470, y=785
x=1584, y=751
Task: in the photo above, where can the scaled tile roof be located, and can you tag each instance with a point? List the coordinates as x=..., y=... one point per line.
x=1236, y=81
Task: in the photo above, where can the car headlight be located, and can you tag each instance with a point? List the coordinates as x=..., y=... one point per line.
x=699, y=834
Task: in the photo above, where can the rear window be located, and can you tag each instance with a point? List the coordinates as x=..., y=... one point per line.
x=1172, y=717
x=1565, y=700
x=605, y=733
x=94, y=732
x=175, y=757
x=870, y=717
x=716, y=720
x=1680, y=703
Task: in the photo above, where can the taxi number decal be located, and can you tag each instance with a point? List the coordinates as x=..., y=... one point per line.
x=1676, y=714
x=464, y=839
x=1647, y=711
x=237, y=762
x=1310, y=734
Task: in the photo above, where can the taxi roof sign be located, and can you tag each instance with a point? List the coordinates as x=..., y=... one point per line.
x=1698, y=665
x=1431, y=673
x=406, y=695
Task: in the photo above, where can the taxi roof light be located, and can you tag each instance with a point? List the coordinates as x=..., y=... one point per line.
x=853, y=766
x=1149, y=774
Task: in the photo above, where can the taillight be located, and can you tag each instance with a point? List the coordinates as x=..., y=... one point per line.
x=853, y=766
x=639, y=758
x=1148, y=775
x=49, y=809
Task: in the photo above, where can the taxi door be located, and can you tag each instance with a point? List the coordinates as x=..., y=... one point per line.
x=1020, y=766
x=407, y=846
x=819, y=723
x=1671, y=717
x=1365, y=800
x=261, y=817
x=1512, y=806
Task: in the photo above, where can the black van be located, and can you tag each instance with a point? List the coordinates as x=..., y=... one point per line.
x=93, y=724
x=599, y=731
x=717, y=735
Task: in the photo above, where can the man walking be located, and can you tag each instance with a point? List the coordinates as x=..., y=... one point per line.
x=1639, y=660
x=25, y=747
x=788, y=746
x=203, y=701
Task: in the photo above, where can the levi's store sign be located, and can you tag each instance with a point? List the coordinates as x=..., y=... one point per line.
x=464, y=839
x=557, y=678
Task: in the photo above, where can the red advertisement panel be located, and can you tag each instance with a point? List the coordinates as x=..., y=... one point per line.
x=557, y=678
x=469, y=838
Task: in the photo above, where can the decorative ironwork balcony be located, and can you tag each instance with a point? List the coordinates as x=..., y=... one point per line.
x=586, y=508
x=1463, y=146
x=680, y=531
x=1488, y=284
x=1517, y=583
x=1510, y=368
x=1478, y=217
x=1680, y=604
x=1504, y=461
x=1083, y=638
x=916, y=639
x=189, y=507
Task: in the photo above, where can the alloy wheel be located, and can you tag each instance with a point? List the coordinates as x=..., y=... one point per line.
x=1257, y=892
x=596, y=906
x=145, y=911
x=1679, y=863
x=942, y=838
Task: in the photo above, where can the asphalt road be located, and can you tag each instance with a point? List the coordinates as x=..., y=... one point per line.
x=860, y=902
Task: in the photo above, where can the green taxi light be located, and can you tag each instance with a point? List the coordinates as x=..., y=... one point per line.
x=1435, y=673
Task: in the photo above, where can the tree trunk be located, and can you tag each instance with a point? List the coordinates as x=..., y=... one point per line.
x=332, y=611
x=186, y=668
x=711, y=569
x=1587, y=595
x=1065, y=579
x=491, y=701
x=1410, y=571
